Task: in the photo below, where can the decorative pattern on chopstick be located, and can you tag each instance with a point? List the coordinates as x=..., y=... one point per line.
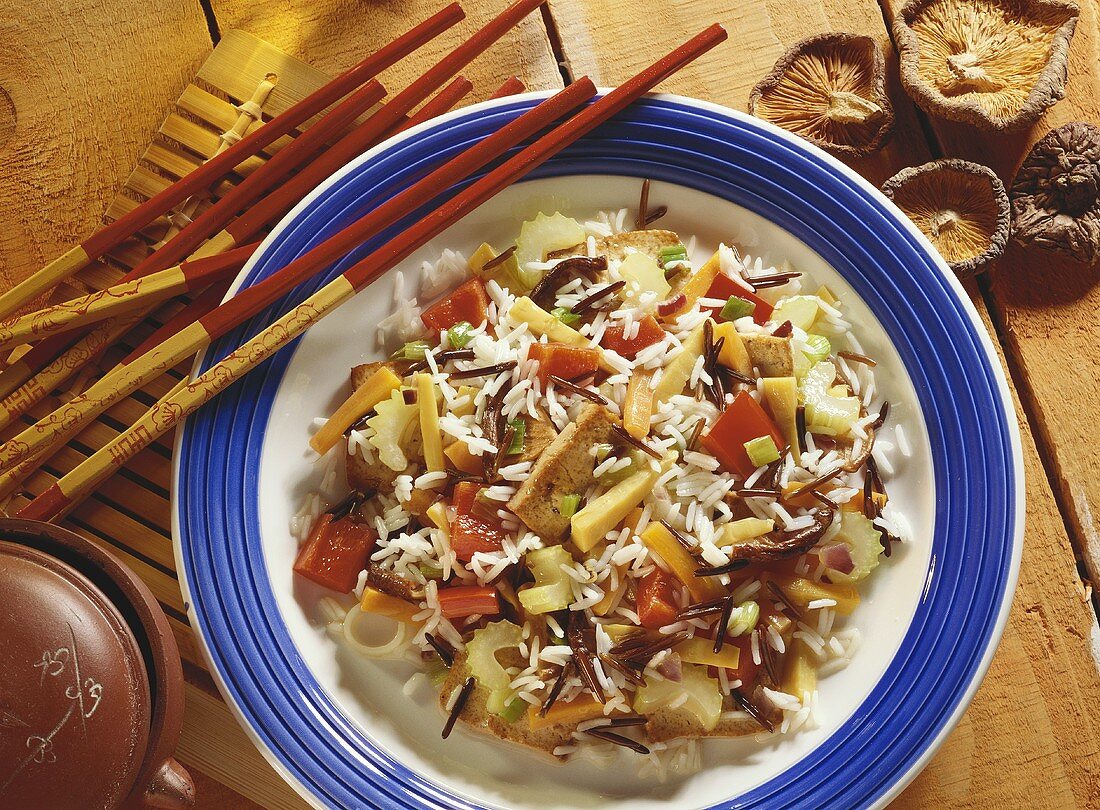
x=138, y=295
x=126, y=226
x=121, y=381
x=167, y=413
x=249, y=224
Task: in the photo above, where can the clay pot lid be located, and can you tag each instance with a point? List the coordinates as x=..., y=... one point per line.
x=74, y=689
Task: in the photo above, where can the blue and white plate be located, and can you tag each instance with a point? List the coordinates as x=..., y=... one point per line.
x=342, y=731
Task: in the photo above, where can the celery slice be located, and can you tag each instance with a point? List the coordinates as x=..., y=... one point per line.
x=565, y=316
x=413, y=350
x=762, y=450
x=551, y=590
x=818, y=348
x=827, y=414
x=569, y=505
x=513, y=710
x=737, y=307
x=481, y=658
x=459, y=334
x=519, y=428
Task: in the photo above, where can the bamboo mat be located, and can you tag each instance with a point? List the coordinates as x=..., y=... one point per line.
x=129, y=515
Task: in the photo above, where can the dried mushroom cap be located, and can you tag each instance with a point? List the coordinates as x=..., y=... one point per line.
x=1056, y=193
x=995, y=64
x=831, y=90
x=961, y=207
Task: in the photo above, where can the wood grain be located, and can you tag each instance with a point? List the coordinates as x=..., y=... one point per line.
x=86, y=101
x=1047, y=306
x=332, y=34
x=1044, y=671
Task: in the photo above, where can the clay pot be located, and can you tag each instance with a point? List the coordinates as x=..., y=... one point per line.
x=91, y=686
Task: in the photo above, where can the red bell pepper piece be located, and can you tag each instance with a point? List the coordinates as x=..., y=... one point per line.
x=656, y=599
x=746, y=668
x=336, y=552
x=723, y=287
x=742, y=421
x=470, y=531
x=567, y=362
x=468, y=302
x=649, y=332
x=467, y=600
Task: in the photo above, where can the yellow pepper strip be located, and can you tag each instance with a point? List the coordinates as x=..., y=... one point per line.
x=465, y=461
x=802, y=591
x=733, y=354
x=701, y=651
x=585, y=707
x=678, y=370
x=697, y=285
x=429, y=423
x=800, y=670
x=374, y=601
x=638, y=408
x=374, y=389
x=659, y=540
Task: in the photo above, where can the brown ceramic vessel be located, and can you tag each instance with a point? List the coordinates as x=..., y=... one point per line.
x=91, y=686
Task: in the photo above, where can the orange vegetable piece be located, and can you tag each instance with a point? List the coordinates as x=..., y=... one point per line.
x=468, y=302
x=467, y=600
x=567, y=362
x=470, y=532
x=656, y=599
x=649, y=332
x=581, y=708
x=743, y=420
x=336, y=552
x=723, y=287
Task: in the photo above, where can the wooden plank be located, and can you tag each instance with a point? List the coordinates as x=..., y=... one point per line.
x=1043, y=672
x=213, y=743
x=332, y=35
x=1044, y=679
x=86, y=100
x=1046, y=306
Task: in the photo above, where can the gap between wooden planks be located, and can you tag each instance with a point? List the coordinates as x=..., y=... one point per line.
x=1041, y=687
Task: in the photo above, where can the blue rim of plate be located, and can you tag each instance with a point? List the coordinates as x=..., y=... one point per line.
x=962, y=393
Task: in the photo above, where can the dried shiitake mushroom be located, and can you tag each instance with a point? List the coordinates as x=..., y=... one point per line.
x=961, y=207
x=995, y=64
x=1056, y=193
x=831, y=90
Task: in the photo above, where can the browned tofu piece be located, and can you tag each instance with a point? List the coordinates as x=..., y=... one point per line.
x=477, y=716
x=617, y=245
x=564, y=468
x=772, y=355
x=538, y=435
x=360, y=374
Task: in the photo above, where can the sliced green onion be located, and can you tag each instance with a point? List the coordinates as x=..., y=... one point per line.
x=737, y=307
x=513, y=710
x=673, y=253
x=817, y=348
x=569, y=505
x=412, y=351
x=430, y=571
x=762, y=450
x=565, y=316
x=743, y=619
x=603, y=451
x=519, y=428
x=459, y=334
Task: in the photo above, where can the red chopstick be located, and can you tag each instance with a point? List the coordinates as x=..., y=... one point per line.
x=511, y=86
x=249, y=224
x=204, y=176
x=168, y=412
x=297, y=154
x=111, y=236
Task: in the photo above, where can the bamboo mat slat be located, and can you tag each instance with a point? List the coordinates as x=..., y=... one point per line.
x=129, y=514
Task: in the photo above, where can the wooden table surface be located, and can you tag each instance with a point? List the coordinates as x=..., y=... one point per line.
x=84, y=85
